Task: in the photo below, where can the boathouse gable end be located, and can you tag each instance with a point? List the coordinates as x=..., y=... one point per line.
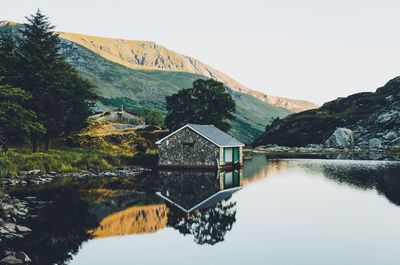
x=187, y=148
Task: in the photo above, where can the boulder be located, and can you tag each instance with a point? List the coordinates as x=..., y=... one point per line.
x=388, y=117
x=11, y=260
x=33, y=172
x=23, y=229
x=396, y=142
x=375, y=143
x=22, y=256
x=390, y=136
x=341, y=138
x=15, y=258
x=10, y=227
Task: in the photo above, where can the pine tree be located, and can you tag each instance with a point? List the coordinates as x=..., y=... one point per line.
x=61, y=99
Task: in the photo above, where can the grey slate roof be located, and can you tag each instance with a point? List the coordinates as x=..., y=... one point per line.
x=215, y=135
x=211, y=133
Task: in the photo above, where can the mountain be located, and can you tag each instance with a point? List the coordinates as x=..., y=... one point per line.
x=147, y=55
x=7, y=23
x=373, y=118
x=136, y=88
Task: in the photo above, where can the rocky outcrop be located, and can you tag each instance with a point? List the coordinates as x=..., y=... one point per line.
x=374, y=119
x=341, y=138
x=381, y=128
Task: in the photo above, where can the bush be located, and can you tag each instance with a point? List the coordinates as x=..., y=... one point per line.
x=153, y=117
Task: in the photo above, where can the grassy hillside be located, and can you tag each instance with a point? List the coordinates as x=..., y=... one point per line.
x=118, y=85
x=135, y=89
x=147, y=55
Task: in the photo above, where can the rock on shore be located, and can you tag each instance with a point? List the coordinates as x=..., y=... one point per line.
x=341, y=138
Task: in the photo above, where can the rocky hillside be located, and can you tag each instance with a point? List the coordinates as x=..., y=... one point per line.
x=364, y=119
x=147, y=55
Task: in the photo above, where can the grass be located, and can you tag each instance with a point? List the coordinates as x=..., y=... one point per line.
x=63, y=159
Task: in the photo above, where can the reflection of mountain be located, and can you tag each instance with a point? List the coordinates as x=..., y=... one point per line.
x=379, y=175
x=384, y=177
x=133, y=220
x=259, y=167
x=200, y=202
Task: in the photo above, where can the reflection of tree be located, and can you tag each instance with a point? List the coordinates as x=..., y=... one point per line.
x=59, y=232
x=208, y=226
x=382, y=177
x=73, y=207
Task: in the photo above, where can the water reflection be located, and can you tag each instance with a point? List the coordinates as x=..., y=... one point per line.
x=76, y=212
x=194, y=190
x=199, y=202
x=384, y=177
x=59, y=232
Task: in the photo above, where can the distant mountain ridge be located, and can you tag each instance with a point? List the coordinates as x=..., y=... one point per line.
x=147, y=55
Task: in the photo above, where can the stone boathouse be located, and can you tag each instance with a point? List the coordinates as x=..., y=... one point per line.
x=199, y=146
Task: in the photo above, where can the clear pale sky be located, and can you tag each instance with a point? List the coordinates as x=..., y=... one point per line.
x=315, y=50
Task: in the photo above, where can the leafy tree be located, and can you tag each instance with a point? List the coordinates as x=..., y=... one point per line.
x=206, y=103
x=16, y=122
x=153, y=117
x=61, y=99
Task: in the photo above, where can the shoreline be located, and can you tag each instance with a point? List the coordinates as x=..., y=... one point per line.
x=356, y=153
x=17, y=212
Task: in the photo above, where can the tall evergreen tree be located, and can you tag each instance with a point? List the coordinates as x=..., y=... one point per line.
x=61, y=99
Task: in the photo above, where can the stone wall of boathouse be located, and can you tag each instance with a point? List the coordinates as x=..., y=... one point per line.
x=186, y=148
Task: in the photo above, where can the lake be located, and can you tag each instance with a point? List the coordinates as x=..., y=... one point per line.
x=273, y=211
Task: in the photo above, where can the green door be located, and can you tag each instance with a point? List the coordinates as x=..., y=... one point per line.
x=235, y=154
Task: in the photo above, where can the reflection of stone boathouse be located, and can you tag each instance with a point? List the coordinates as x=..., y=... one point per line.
x=199, y=202
x=193, y=190
x=199, y=146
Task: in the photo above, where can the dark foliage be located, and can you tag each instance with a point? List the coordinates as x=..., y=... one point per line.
x=208, y=226
x=153, y=117
x=206, y=103
x=16, y=122
x=61, y=99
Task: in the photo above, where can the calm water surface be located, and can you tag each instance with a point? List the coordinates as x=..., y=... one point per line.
x=272, y=212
